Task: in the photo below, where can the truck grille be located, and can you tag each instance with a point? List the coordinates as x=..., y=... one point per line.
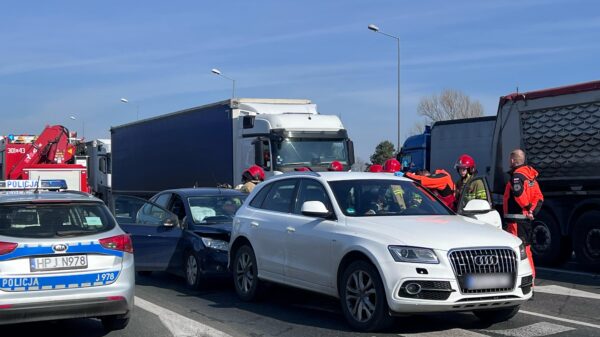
x=469, y=263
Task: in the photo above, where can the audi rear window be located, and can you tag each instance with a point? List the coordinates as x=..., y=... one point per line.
x=51, y=220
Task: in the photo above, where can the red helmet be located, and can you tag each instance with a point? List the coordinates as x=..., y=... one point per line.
x=335, y=166
x=254, y=172
x=375, y=168
x=392, y=166
x=467, y=162
x=302, y=169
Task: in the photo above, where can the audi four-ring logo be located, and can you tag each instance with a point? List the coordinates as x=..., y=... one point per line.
x=486, y=260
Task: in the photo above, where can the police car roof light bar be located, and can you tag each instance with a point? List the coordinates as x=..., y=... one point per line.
x=21, y=185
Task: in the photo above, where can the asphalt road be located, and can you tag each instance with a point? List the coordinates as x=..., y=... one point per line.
x=565, y=304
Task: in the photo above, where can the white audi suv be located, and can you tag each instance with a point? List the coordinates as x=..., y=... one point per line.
x=382, y=244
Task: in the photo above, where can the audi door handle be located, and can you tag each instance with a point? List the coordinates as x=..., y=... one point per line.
x=291, y=229
x=254, y=224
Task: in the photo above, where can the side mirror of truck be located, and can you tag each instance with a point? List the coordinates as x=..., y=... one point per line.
x=351, y=160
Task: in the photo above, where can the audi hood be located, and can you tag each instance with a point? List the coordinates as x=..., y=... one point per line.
x=443, y=232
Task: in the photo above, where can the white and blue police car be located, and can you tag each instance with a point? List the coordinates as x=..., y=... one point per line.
x=62, y=255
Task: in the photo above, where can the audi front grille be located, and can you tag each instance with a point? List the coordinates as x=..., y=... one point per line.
x=484, y=270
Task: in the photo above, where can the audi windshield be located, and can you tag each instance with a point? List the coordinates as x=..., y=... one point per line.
x=360, y=198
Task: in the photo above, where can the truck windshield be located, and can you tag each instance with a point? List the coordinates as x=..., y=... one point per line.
x=310, y=152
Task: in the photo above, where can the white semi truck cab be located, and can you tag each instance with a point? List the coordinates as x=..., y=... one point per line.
x=281, y=135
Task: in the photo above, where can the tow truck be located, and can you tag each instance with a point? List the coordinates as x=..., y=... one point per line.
x=50, y=155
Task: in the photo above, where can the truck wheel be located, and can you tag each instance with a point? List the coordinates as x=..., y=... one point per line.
x=548, y=245
x=363, y=298
x=496, y=315
x=586, y=238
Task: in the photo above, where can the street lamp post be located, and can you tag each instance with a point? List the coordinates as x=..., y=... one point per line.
x=376, y=30
x=218, y=73
x=73, y=118
x=137, y=107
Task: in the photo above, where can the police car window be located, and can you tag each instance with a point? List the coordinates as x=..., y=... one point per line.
x=54, y=220
x=385, y=198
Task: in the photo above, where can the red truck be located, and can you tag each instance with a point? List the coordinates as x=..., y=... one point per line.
x=47, y=156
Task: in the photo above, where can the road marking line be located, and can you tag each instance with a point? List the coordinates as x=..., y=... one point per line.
x=445, y=333
x=559, y=290
x=533, y=330
x=560, y=319
x=179, y=325
x=570, y=272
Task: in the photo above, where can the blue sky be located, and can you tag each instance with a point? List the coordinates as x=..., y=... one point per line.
x=78, y=58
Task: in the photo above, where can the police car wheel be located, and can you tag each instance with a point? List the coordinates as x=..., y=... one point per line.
x=144, y=273
x=497, y=315
x=114, y=322
x=193, y=272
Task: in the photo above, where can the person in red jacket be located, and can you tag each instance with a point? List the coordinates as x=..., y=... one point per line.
x=439, y=183
x=522, y=197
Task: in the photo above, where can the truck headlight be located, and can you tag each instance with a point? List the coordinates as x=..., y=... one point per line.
x=522, y=252
x=216, y=244
x=413, y=254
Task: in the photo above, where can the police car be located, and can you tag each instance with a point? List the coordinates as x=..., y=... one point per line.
x=62, y=255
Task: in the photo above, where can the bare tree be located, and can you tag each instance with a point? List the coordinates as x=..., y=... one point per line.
x=417, y=129
x=450, y=104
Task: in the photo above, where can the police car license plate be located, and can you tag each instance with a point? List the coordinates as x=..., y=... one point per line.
x=63, y=262
x=488, y=281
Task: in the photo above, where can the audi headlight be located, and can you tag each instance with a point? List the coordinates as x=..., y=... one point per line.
x=216, y=244
x=522, y=252
x=413, y=254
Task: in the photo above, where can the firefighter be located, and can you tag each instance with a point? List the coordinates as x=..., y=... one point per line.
x=335, y=166
x=465, y=166
x=394, y=167
x=251, y=177
x=375, y=168
x=522, y=196
x=439, y=183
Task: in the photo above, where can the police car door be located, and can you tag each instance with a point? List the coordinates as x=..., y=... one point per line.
x=155, y=231
x=476, y=202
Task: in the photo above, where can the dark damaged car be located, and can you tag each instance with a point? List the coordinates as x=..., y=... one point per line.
x=181, y=231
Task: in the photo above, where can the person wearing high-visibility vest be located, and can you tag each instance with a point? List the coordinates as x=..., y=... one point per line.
x=465, y=166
